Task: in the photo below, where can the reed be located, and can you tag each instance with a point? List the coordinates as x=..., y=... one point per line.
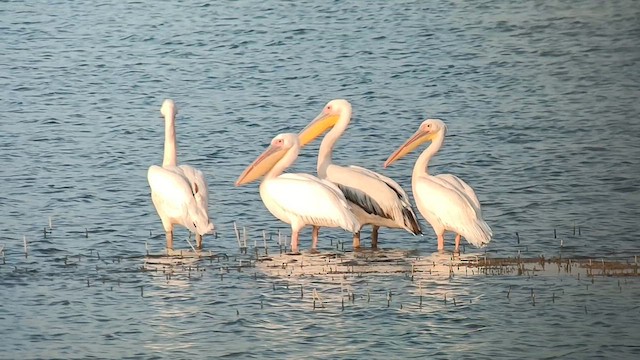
x=316, y=297
x=264, y=239
x=533, y=297
x=191, y=245
x=244, y=237
x=242, y=245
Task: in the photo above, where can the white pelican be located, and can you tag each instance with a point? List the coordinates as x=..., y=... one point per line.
x=376, y=199
x=297, y=199
x=179, y=193
x=447, y=202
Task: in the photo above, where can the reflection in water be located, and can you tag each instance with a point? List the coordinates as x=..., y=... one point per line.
x=171, y=305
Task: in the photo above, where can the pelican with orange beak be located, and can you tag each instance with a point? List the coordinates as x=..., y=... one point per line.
x=297, y=199
x=376, y=199
x=445, y=201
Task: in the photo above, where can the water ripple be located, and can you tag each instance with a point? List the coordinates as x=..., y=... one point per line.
x=541, y=103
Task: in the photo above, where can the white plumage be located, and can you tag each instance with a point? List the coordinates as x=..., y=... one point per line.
x=375, y=199
x=447, y=208
x=198, y=185
x=179, y=193
x=446, y=201
x=301, y=199
x=297, y=199
x=174, y=200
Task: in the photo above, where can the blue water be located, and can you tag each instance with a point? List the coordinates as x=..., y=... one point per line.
x=541, y=101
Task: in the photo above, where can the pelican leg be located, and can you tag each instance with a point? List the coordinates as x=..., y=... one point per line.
x=198, y=242
x=457, y=249
x=440, y=242
x=356, y=240
x=170, y=240
x=374, y=236
x=314, y=237
x=294, y=242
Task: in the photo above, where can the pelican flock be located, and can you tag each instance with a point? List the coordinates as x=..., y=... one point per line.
x=346, y=197
x=179, y=193
x=297, y=199
x=376, y=199
x=445, y=201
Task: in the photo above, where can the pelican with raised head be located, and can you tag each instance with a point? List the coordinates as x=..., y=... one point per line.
x=445, y=201
x=297, y=199
x=376, y=199
x=179, y=193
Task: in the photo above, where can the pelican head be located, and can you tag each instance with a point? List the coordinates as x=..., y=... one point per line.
x=168, y=108
x=325, y=120
x=427, y=131
x=279, y=147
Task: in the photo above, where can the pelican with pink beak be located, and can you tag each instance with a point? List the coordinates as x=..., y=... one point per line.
x=445, y=201
x=297, y=199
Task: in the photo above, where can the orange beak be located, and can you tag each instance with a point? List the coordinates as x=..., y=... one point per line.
x=262, y=164
x=317, y=127
x=419, y=137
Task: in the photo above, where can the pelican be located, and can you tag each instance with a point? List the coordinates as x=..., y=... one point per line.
x=297, y=199
x=376, y=199
x=179, y=193
x=445, y=200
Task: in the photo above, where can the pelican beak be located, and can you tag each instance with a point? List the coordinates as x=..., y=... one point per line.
x=414, y=141
x=319, y=125
x=261, y=165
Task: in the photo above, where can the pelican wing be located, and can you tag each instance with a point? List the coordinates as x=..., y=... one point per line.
x=308, y=200
x=197, y=182
x=198, y=186
x=462, y=187
x=452, y=208
x=174, y=200
x=333, y=187
x=402, y=195
x=374, y=193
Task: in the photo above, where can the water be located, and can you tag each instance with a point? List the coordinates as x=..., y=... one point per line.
x=541, y=98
